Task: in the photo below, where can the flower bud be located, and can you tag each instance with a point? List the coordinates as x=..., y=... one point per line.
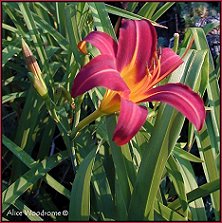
x=176, y=42
x=33, y=66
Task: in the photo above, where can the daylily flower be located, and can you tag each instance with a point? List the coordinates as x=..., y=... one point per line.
x=130, y=71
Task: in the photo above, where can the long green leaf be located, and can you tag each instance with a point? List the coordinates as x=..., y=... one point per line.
x=51, y=31
x=30, y=162
x=213, y=124
x=161, y=143
x=18, y=152
x=166, y=213
x=101, y=18
x=60, y=15
x=162, y=10
x=8, y=27
x=128, y=15
x=57, y=186
x=16, y=189
x=25, y=137
x=200, y=42
x=12, y=15
x=163, y=137
x=178, y=152
x=8, y=53
x=148, y=9
x=25, y=10
x=12, y=96
x=123, y=186
x=197, y=193
x=79, y=207
x=103, y=196
x=71, y=31
x=131, y=6
x=213, y=92
x=26, y=210
x=208, y=154
x=196, y=207
x=173, y=170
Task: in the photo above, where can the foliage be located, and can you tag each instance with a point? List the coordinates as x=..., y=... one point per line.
x=154, y=177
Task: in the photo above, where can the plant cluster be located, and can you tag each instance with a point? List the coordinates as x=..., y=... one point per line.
x=61, y=163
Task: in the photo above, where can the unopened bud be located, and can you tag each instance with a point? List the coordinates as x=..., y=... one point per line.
x=82, y=47
x=33, y=66
x=176, y=42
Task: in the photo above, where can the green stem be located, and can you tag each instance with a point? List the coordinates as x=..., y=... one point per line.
x=92, y=117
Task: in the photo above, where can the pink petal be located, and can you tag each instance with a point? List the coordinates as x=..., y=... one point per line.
x=102, y=41
x=130, y=120
x=183, y=98
x=100, y=71
x=137, y=44
x=169, y=62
